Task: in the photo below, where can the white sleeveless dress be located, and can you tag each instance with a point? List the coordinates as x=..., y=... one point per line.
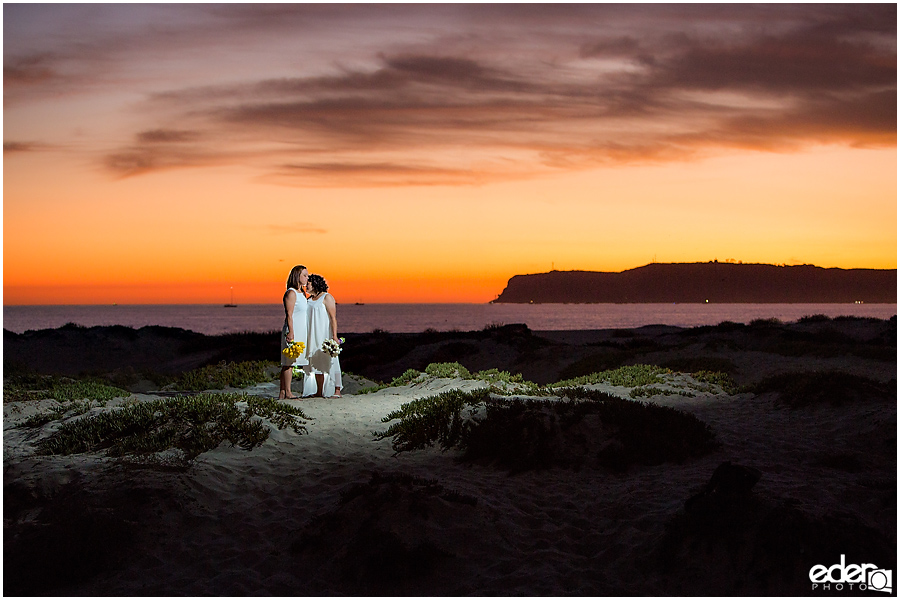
x=300, y=325
x=319, y=330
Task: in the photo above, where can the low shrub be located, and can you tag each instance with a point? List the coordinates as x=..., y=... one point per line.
x=764, y=323
x=408, y=377
x=435, y=419
x=57, y=388
x=191, y=424
x=224, y=375
x=817, y=318
x=628, y=376
x=453, y=370
x=584, y=426
x=448, y=370
x=497, y=376
x=594, y=363
x=502, y=382
x=60, y=411
x=650, y=391
x=85, y=390
x=723, y=380
x=695, y=364
x=814, y=388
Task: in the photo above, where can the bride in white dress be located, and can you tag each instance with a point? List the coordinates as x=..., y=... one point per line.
x=294, y=328
x=321, y=325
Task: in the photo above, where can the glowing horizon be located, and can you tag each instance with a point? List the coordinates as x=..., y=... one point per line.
x=427, y=153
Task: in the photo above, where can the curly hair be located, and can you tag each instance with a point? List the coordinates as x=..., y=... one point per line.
x=317, y=283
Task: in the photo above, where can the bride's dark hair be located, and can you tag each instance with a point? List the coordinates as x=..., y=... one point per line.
x=293, y=280
x=317, y=283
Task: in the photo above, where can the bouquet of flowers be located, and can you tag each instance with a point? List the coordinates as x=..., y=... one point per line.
x=331, y=347
x=294, y=349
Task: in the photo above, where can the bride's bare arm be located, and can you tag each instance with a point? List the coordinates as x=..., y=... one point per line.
x=331, y=309
x=289, y=301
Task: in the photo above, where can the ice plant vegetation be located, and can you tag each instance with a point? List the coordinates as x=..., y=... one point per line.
x=580, y=428
x=190, y=424
x=224, y=375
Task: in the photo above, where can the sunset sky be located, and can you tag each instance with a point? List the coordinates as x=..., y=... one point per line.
x=427, y=153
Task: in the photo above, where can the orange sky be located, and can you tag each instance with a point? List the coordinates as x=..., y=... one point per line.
x=170, y=154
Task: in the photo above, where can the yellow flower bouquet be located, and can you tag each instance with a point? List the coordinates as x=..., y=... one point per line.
x=294, y=350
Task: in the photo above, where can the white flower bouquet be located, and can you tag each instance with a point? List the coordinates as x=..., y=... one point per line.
x=331, y=347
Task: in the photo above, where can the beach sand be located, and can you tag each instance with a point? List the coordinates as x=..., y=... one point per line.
x=334, y=511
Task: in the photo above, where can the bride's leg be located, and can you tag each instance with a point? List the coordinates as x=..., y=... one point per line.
x=320, y=384
x=285, y=391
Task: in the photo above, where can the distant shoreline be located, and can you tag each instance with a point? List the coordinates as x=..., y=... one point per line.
x=702, y=283
x=415, y=318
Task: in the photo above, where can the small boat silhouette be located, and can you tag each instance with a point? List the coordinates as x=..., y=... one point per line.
x=232, y=305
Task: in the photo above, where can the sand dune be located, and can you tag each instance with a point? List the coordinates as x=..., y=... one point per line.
x=334, y=511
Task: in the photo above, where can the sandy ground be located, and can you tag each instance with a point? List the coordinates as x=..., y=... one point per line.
x=330, y=512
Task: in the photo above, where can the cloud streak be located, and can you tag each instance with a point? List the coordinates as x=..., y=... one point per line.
x=23, y=147
x=467, y=103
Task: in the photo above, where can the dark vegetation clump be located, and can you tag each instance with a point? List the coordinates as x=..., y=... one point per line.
x=453, y=351
x=719, y=378
x=380, y=355
x=34, y=386
x=224, y=375
x=700, y=363
x=434, y=419
x=836, y=388
x=584, y=427
x=722, y=328
x=817, y=318
x=593, y=363
x=815, y=335
x=126, y=357
x=191, y=424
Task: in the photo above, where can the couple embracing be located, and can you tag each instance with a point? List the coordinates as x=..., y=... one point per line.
x=310, y=317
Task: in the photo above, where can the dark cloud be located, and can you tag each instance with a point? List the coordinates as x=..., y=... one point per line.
x=140, y=160
x=626, y=46
x=379, y=174
x=28, y=70
x=19, y=147
x=863, y=120
x=803, y=62
x=660, y=84
x=166, y=136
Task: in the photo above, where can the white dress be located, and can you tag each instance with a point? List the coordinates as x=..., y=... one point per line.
x=319, y=330
x=300, y=325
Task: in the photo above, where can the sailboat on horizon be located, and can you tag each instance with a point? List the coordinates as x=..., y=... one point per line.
x=232, y=304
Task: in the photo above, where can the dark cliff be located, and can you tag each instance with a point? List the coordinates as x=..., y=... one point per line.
x=702, y=282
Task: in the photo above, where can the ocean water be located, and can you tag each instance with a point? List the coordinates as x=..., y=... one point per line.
x=213, y=319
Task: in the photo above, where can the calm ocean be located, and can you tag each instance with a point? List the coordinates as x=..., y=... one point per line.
x=215, y=319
